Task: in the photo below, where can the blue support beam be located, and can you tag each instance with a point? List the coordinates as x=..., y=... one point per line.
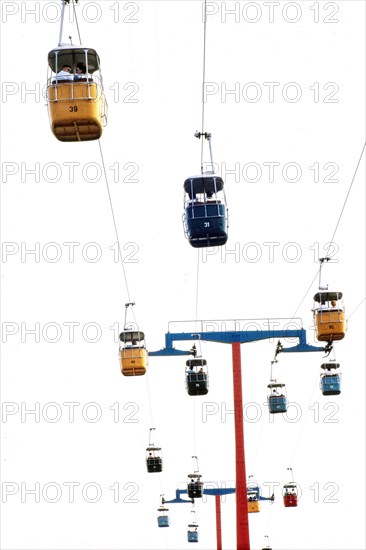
x=229, y=337
x=211, y=492
x=177, y=499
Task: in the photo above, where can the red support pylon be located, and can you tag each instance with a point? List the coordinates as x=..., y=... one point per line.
x=242, y=522
x=218, y=522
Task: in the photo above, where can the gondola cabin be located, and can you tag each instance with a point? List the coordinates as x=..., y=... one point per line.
x=192, y=533
x=329, y=317
x=330, y=379
x=277, y=400
x=253, y=502
x=76, y=103
x=196, y=377
x=195, y=486
x=290, y=495
x=205, y=213
x=163, y=517
x=154, y=460
x=133, y=355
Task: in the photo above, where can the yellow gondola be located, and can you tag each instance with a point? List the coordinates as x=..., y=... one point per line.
x=253, y=502
x=329, y=317
x=76, y=102
x=133, y=355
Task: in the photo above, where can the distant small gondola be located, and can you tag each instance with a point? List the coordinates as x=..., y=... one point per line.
x=163, y=516
x=253, y=502
x=330, y=379
x=329, y=316
x=290, y=493
x=277, y=400
x=154, y=460
x=268, y=547
x=195, y=485
x=196, y=376
x=192, y=532
x=133, y=354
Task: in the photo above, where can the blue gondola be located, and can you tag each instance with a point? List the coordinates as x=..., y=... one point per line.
x=196, y=377
x=192, y=533
x=277, y=400
x=330, y=382
x=205, y=217
x=163, y=517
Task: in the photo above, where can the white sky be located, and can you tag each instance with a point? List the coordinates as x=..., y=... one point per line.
x=158, y=57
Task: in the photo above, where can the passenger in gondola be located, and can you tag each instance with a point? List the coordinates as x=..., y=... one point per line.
x=132, y=344
x=80, y=71
x=65, y=73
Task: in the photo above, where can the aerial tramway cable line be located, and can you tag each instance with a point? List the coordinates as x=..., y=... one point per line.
x=330, y=326
x=331, y=242
x=328, y=309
